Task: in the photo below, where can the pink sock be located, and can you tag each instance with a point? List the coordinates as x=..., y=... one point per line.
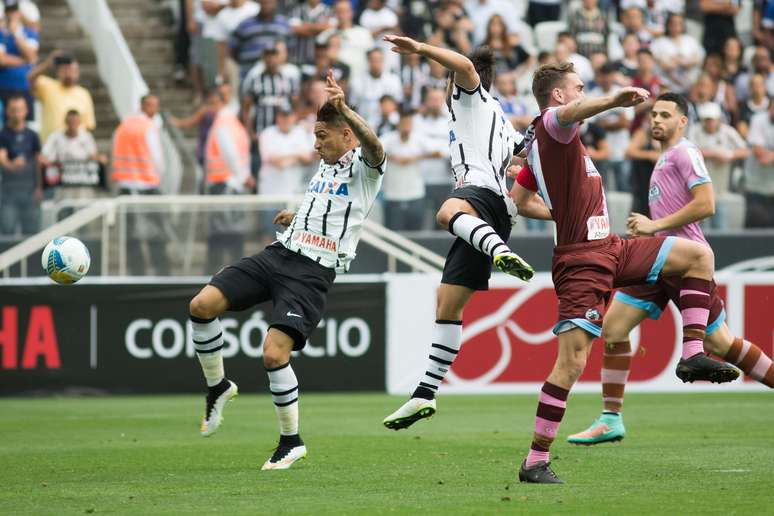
x=694, y=308
x=550, y=411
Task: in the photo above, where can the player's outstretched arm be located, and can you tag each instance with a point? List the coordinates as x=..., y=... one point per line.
x=373, y=152
x=699, y=208
x=465, y=74
x=586, y=107
x=529, y=203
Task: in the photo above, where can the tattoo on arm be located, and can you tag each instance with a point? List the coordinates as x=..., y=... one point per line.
x=373, y=152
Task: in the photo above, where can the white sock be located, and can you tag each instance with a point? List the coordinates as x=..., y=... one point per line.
x=447, y=339
x=478, y=233
x=208, y=341
x=284, y=393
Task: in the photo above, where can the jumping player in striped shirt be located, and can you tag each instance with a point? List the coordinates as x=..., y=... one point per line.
x=680, y=197
x=589, y=261
x=479, y=212
x=295, y=272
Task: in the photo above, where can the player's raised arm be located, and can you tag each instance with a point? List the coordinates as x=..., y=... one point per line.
x=559, y=86
x=587, y=107
x=373, y=152
x=465, y=74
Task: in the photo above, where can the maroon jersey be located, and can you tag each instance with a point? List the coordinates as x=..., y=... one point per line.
x=560, y=170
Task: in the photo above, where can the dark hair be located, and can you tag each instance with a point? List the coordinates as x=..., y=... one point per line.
x=546, y=78
x=72, y=112
x=670, y=17
x=387, y=97
x=328, y=114
x=13, y=97
x=645, y=51
x=145, y=98
x=608, y=68
x=565, y=35
x=374, y=49
x=483, y=61
x=679, y=100
x=407, y=112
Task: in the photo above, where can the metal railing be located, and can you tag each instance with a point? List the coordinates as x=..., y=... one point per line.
x=184, y=219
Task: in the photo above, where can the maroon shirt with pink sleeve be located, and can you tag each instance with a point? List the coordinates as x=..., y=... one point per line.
x=560, y=170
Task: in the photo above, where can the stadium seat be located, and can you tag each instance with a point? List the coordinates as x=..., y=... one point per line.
x=619, y=206
x=546, y=33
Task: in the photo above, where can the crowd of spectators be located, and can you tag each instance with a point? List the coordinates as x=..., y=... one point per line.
x=257, y=69
x=46, y=148
x=275, y=55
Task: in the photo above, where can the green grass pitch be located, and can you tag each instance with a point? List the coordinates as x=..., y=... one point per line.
x=683, y=454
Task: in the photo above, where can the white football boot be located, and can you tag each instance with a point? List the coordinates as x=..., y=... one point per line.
x=213, y=414
x=409, y=413
x=290, y=449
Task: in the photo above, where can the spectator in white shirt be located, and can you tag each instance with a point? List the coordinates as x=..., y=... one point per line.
x=74, y=167
x=380, y=19
x=721, y=146
x=404, y=189
x=759, y=173
x=369, y=88
x=433, y=124
x=354, y=40
x=221, y=28
x=566, y=50
x=616, y=123
x=286, y=148
x=679, y=55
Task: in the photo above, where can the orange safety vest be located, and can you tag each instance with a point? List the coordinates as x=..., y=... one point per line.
x=132, y=159
x=217, y=167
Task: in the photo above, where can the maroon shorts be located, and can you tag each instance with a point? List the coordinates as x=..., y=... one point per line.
x=654, y=298
x=586, y=273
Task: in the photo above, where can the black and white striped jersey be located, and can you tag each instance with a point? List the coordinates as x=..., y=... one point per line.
x=338, y=199
x=481, y=142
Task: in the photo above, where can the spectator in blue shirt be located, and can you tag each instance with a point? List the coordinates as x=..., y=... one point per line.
x=19, y=50
x=21, y=173
x=257, y=33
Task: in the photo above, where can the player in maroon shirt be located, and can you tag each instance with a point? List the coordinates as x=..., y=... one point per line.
x=588, y=260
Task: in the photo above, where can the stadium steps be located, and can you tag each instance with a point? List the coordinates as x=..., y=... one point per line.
x=145, y=25
x=59, y=29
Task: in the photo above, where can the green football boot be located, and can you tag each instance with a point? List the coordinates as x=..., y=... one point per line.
x=606, y=428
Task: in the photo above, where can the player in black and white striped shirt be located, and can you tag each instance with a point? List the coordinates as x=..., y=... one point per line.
x=479, y=211
x=296, y=271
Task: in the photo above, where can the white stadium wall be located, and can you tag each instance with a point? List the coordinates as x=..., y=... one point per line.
x=508, y=346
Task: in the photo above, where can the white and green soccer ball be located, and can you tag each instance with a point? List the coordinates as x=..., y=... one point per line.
x=65, y=260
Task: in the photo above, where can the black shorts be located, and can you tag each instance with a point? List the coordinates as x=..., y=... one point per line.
x=297, y=286
x=465, y=265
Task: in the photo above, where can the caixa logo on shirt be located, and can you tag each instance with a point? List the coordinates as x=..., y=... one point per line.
x=654, y=193
x=325, y=186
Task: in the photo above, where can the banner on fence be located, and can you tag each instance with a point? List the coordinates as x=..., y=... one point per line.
x=508, y=345
x=137, y=338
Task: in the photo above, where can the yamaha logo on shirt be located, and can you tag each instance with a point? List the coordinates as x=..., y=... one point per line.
x=324, y=186
x=654, y=193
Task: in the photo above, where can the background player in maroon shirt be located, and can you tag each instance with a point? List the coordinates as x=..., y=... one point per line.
x=588, y=261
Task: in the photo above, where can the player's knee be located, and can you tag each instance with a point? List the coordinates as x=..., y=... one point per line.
x=614, y=336
x=201, y=308
x=443, y=217
x=702, y=260
x=273, y=356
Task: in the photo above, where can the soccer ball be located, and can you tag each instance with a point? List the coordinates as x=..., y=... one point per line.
x=65, y=260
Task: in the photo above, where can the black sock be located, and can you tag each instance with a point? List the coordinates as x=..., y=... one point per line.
x=423, y=392
x=291, y=440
